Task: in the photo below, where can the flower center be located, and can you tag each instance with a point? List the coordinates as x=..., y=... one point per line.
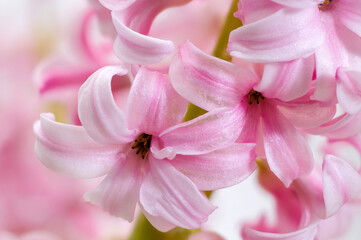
x=142, y=144
x=324, y=5
x=254, y=96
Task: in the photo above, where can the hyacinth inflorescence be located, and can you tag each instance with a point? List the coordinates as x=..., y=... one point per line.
x=292, y=64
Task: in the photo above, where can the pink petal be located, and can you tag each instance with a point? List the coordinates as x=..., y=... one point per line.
x=338, y=224
x=96, y=52
x=285, y=35
x=298, y=3
x=306, y=113
x=98, y=112
x=340, y=49
x=250, y=11
x=287, y=152
x=169, y=194
x=341, y=183
x=158, y=222
x=290, y=211
x=209, y=82
x=134, y=47
x=250, y=127
x=116, y=4
x=343, y=126
x=287, y=81
x=329, y=57
x=349, y=89
x=55, y=74
x=348, y=13
x=118, y=193
x=133, y=24
x=68, y=150
x=153, y=105
x=140, y=15
x=308, y=233
x=218, y=169
x=310, y=191
x=202, y=134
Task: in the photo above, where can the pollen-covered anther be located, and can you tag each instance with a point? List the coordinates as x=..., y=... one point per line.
x=142, y=144
x=323, y=5
x=254, y=96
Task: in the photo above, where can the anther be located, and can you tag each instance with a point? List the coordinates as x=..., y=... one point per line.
x=254, y=96
x=323, y=5
x=142, y=144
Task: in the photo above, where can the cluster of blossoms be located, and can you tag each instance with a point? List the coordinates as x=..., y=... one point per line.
x=294, y=62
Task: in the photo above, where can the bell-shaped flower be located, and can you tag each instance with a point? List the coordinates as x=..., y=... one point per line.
x=59, y=76
x=265, y=118
x=281, y=30
x=149, y=156
x=309, y=204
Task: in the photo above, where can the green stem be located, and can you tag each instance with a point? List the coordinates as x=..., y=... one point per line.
x=231, y=23
x=143, y=230
x=193, y=111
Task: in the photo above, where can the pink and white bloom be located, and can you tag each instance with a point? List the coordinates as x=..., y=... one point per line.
x=147, y=156
x=214, y=84
x=306, y=208
x=328, y=29
x=73, y=62
x=60, y=76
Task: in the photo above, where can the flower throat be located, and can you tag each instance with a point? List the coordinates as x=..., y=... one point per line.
x=142, y=144
x=254, y=97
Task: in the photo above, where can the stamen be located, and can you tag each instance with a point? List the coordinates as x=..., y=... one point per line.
x=142, y=144
x=254, y=96
x=323, y=5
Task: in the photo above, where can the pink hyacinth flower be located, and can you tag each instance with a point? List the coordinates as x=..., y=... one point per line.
x=147, y=158
x=308, y=206
x=213, y=84
x=328, y=29
x=60, y=76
